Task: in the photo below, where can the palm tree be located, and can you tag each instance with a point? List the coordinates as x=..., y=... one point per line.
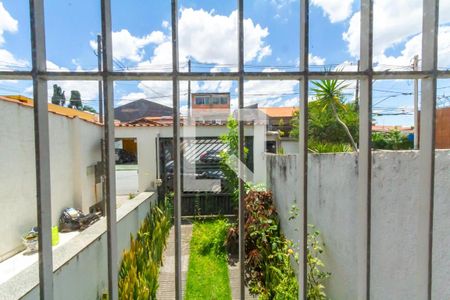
x=329, y=94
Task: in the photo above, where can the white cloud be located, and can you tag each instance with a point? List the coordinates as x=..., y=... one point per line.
x=336, y=10
x=316, y=60
x=268, y=92
x=207, y=38
x=129, y=47
x=279, y=4
x=395, y=22
x=165, y=24
x=414, y=46
x=7, y=23
x=88, y=89
x=212, y=38
x=8, y=62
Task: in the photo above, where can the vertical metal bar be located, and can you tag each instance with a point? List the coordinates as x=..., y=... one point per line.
x=189, y=94
x=416, y=104
x=365, y=140
x=108, y=93
x=176, y=151
x=241, y=137
x=303, y=147
x=427, y=135
x=42, y=148
x=100, y=87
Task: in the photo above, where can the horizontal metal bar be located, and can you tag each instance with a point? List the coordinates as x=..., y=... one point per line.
x=208, y=76
x=16, y=75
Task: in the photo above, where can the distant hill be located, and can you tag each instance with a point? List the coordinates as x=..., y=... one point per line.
x=140, y=109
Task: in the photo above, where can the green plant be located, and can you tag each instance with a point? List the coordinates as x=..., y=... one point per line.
x=211, y=239
x=208, y=267
x=324, y=128
x=391, y=140
x=315, y=276
x=131, y=196
x=229, y=157
x=139, y=269
x=329, y=95
x=269, y=254
x=318, y=147
x=268, y=272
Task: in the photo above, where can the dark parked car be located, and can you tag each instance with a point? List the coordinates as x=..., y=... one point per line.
x=123, y=157
x=211, y=156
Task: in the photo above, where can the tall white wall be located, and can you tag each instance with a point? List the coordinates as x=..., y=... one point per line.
x=333, y=209
x=74, y=149
x=80, y=267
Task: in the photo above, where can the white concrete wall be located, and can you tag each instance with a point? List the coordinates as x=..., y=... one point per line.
x=333, y=208
x=74, y=148
x=80, y=266
x=290, y=146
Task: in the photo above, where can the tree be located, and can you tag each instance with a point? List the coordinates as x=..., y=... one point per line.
x=75, y=100
x=58, y=97
x=329, y=96
x=323, y=128
x=89, y=109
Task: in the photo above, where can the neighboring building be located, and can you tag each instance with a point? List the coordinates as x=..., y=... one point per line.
x=443, y=128
x=279, y=118
x=211, y=101
x=210, y=107
x=75, y=150
x=386, y=128
x=140, y=109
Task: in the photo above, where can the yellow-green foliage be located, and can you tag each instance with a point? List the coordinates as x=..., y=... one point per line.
x=138, y=275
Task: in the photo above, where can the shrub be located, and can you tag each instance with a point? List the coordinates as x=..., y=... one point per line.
x=139, y=270
x=318, y=147
x=269, y=254
x=391, y=140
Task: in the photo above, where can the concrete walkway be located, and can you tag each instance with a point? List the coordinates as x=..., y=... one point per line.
x=166, y=290
x=233, y=272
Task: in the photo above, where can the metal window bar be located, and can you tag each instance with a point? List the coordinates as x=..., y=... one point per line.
x=429, y=75
x=42, y=148
x=241, y=138
x=303, y=146
x=108, y=93
x=176, y=150
x=365, y=141
x=430, y=25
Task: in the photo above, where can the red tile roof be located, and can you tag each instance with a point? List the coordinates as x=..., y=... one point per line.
x=279, y=112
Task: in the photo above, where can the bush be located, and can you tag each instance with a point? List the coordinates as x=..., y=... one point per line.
x=391, y=140
x=269, y=254
x=317, y=147
x=139, y=270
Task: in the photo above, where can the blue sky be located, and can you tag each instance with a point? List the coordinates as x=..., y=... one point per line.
x=208, y=36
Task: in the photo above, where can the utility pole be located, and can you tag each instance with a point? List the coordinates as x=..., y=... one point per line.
x=189, y=93
x=415, y=66
x=100, y=85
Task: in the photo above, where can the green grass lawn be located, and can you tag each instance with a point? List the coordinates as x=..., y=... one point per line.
x=208, y=267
